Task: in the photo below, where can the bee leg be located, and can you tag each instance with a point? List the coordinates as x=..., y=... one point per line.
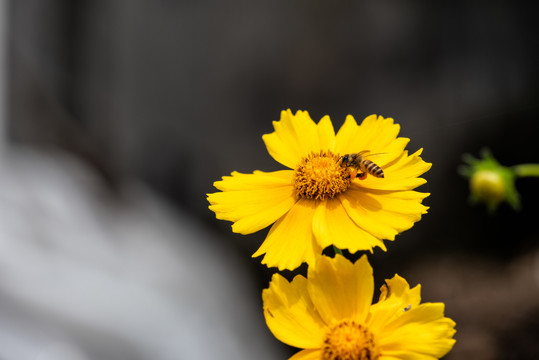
x=362, y=176
x=353, y=174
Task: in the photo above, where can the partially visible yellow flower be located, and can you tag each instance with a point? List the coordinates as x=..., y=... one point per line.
x=329, y=315
x=317, y=203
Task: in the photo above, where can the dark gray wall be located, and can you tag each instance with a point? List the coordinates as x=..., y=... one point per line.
x=179, y=93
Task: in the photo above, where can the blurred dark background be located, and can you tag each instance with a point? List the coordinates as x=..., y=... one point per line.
x=176, y=94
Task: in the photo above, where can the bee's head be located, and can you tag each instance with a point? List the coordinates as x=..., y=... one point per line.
x=344, y=159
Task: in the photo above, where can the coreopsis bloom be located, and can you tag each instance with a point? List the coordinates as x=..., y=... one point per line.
x=490, y=182
x=330, y=316
x=321, y=200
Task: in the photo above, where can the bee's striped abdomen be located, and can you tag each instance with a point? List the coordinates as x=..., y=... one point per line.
x=373, y=169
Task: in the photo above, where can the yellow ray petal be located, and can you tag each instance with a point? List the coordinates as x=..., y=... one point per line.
x=326, y=135
x=389, y=357
x=389, y=153
x=375, y=134
x=290, y=313
x=381, y=132
x=351, y=138
x=398, y=287
x=396, y=297
x=290, y=240
x=417, y=315
x=400, y=174
x=422, y=330
x=294, y=137
x=253, y=201
x=344, y=140
x=367, y=221
x=333, y=226
x=409, y=165
x=383, y=214
x=261, y=180
x=341, y=290
x=403, y=355
x=307, y=355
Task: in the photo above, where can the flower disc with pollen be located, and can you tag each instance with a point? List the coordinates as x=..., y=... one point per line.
x=349, y=341
x=316, y=202
x=319, y=176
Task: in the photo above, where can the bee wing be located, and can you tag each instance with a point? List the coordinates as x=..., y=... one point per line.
x=375, y=154
x=366, y=153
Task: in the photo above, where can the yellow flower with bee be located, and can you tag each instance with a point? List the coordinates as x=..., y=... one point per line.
x=319, y=201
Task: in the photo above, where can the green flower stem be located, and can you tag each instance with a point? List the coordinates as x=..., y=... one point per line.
x=337, y=250
x=526, y=170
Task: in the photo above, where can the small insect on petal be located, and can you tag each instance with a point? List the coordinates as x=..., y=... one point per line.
x=357, y=163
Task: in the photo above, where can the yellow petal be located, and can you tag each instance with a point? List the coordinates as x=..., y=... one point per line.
x=406, y=356
x=290, y=241
x=290, y=314
x=341, y=290
x=378, y=132
x=333, y=226
x=260, y=180
x=383, y=214
x=353, y=138
x=387, y=357
x=398, y=287
x=396, y=297
x=345, y=138
x=253, y=201
x=400, y=174
x=389, y=153
x=326, y=135
x=406, y=329
x=307, y=355
x=421, y=331
x=294, y=137
x=375, y=134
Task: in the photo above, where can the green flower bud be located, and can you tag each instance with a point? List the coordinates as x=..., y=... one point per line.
x=488, y=186
x=490, y=182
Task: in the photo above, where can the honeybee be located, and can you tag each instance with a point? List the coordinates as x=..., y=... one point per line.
x=360, y=166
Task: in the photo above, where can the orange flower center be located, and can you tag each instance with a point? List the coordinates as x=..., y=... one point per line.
x=319, y=176
x=349, y=341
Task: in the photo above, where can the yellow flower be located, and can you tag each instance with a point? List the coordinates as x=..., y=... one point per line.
x=317, y=203
x=329, y=315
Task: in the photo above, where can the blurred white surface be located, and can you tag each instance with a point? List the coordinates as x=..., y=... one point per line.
x=86, y=275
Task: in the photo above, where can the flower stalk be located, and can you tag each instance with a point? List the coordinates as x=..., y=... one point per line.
x=526, y=170
x=337, y=250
